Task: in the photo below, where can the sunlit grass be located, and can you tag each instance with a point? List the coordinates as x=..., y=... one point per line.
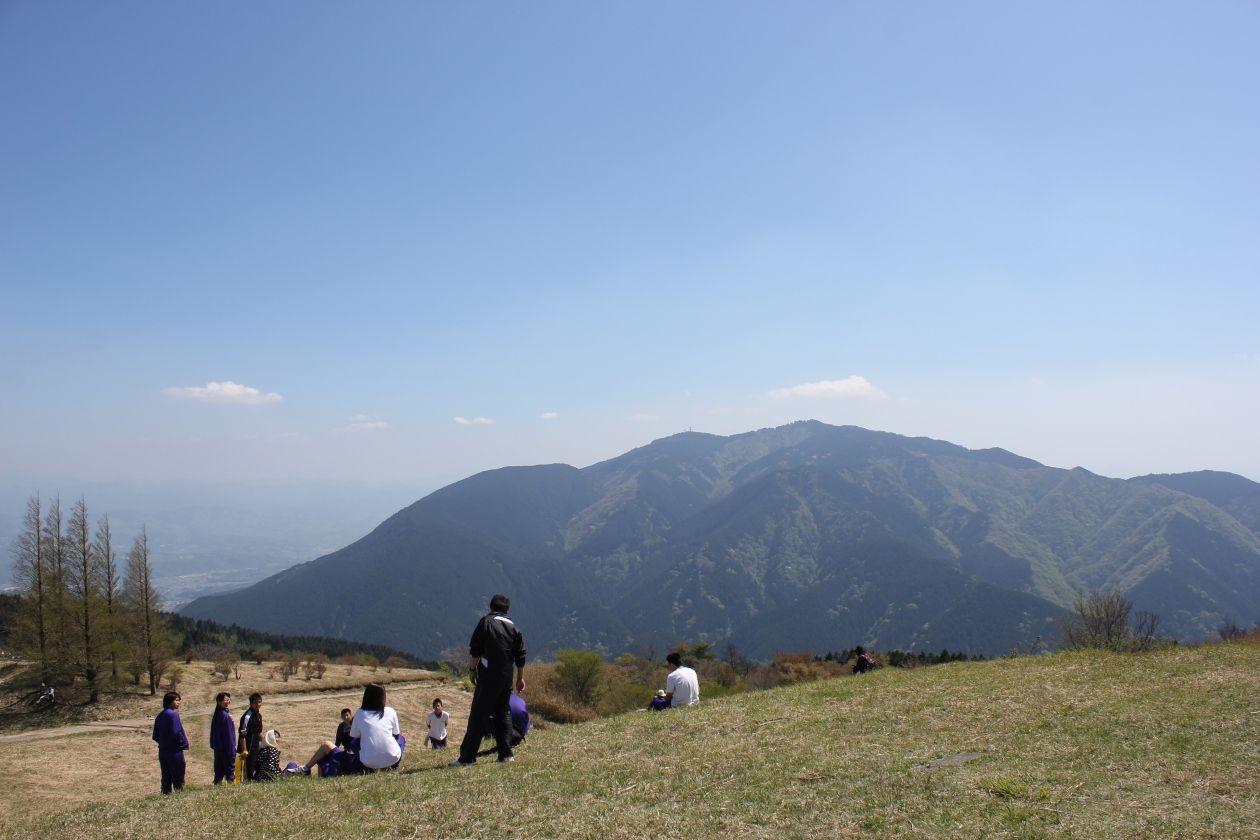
x=1083, y=745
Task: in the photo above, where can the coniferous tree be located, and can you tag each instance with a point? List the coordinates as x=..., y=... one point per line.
x=30, y=574
x=151, y=642
x=54, y=543
x=111, y=618
x=83, y=584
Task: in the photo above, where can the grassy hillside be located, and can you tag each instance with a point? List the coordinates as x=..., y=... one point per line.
x=1072, y=745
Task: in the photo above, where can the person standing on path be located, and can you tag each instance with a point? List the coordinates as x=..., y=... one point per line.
x=168, y=731
x=495, y=648
x=223, y=739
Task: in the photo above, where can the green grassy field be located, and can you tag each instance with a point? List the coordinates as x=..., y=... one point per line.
x=1089, y=745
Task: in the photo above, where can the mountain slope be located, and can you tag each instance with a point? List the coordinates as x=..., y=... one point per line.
x=802, y=536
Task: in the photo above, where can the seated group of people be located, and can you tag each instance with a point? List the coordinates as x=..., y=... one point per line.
x=368, y=740
x=682, y=686
x=371, y=739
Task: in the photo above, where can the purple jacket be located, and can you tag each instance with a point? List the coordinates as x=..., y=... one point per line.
x=168, y=731
x=223, y=732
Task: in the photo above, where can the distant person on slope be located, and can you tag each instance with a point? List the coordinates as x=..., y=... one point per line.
x=223, y=739
x=248, y=735
x=862, y=661
x=168, y=731
x=47, y=696
x=682, y=686
x=495, y=648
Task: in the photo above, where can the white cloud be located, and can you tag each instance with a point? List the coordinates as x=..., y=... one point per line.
x=225, y=393
x=644, y=418
x=549, y=415
x=853, y=386
x=476, y=421
x=364, y=423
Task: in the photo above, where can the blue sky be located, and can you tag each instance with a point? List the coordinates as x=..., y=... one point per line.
x=579, y=227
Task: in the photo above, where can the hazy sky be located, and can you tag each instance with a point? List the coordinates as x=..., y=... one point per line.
x=292, y=240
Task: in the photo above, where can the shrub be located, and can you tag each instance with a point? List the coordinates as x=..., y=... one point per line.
x=1106, y=620
x=577, y=673
x=552, y=702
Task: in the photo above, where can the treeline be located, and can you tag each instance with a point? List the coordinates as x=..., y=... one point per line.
x=204, y=635
x=79, y=616
x=83, y=618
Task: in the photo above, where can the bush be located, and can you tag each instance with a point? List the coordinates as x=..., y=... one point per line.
x=577, y=673
x=225, y=663
x=552, y=702
x=803, y=667
x=1105, y=620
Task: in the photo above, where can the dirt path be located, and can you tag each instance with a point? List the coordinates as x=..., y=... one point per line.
x=146, y=723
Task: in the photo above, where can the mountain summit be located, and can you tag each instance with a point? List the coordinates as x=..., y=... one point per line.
x=802, y=536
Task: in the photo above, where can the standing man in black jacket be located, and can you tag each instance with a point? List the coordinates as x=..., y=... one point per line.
x=496, y=647
x=249, y=733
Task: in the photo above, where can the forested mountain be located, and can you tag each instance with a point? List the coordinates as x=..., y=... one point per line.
x=802, y=536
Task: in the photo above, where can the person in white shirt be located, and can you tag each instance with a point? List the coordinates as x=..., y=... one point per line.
x=438, y=719
x=381, y=741
x=682, y=686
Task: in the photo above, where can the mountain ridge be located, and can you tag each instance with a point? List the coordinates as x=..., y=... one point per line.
x=805, y=535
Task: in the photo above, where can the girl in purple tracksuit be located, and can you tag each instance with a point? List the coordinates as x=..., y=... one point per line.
x=168, y=731
x=223, y=739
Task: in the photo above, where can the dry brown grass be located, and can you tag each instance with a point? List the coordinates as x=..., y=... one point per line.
x=198, y=687
x=51, y=775
x=1088, y=745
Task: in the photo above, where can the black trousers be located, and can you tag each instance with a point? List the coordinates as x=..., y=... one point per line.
x=251, y=765
x=490, y=700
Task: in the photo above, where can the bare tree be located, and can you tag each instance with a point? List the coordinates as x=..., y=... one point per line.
x=107, y=565
x=1106, y=620
x=1144, y=631
x=1230, y=631
x=83, y=591
x=150, y=637
x=55, y=587
x=30, y=573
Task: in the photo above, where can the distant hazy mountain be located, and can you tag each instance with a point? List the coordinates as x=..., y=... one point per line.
x=803, y=536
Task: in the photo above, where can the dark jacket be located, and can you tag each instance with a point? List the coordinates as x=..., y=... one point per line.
x=168, y=731
x=251, y=729
x=343, y=737
x=222, y=732
x=498, y=644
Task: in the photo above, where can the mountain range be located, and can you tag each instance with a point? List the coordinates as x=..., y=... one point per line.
x=805, y=536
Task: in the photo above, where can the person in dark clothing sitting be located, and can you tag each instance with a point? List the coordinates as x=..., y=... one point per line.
x=495, y=648
x=343, y=731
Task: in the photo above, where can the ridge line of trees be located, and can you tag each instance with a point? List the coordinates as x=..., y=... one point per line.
x=76, y=618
